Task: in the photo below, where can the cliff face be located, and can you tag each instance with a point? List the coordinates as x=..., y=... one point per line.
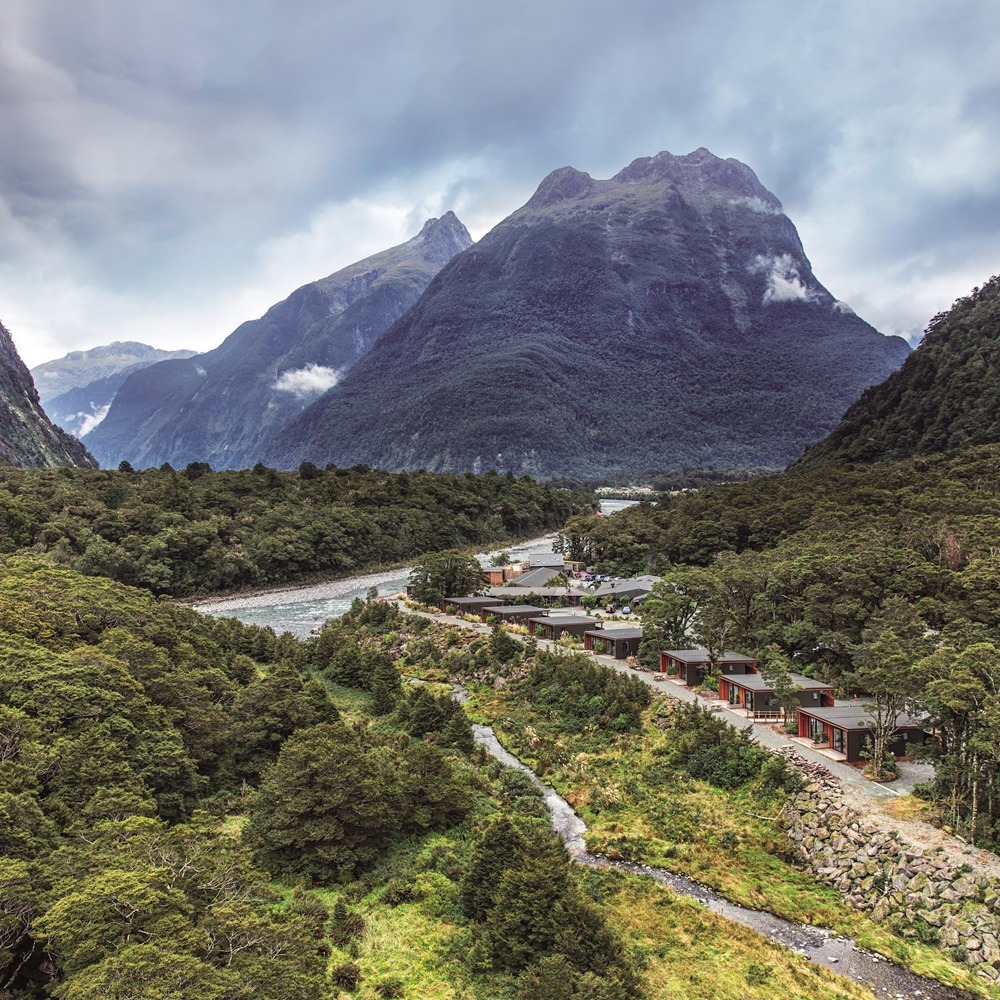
x=27, y=436
x=666, y=317
x=221, y=406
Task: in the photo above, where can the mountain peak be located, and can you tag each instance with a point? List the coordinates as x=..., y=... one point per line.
x=698, y=172
x=564, y=184
x=694, y=285
x=447, y=233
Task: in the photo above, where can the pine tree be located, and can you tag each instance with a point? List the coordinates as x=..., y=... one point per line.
x=529, y=909
x=493, y=854
x=457, y=732
x=387, y=687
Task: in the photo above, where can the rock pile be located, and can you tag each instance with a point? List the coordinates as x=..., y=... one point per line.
x=928, y=895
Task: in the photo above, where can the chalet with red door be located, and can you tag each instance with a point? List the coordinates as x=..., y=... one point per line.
x=691, y=665
x=755, y=695
x=843, y=730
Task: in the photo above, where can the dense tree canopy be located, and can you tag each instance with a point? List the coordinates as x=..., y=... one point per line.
x=854, y=573
x=197, y=531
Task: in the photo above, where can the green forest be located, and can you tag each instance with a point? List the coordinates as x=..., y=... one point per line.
x=943, y=398
x=196, y=531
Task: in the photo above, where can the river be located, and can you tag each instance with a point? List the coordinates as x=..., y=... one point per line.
x=300, y=610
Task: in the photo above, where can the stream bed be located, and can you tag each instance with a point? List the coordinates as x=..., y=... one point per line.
x=882, y=977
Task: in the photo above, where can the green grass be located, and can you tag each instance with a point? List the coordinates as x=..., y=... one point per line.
x=638, y=808
x=682, y=950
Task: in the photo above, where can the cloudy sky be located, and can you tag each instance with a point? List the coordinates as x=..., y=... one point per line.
x=171, y=168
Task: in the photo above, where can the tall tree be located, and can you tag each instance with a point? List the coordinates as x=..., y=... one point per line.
x=884, y=673
x=445, y=574
x=324, y=808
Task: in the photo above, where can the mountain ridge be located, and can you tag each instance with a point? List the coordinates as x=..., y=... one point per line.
x=680, y=271
x=80, y=368
x=221, y=405
x=27, y=437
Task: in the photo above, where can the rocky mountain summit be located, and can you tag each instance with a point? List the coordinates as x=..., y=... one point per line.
x=665, y=317
x=220, y=407
x=27, y=436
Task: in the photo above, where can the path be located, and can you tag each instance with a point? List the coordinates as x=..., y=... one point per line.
x=870, y=799
x=848, y=776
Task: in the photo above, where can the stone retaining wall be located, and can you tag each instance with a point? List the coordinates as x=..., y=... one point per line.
x=927, y=895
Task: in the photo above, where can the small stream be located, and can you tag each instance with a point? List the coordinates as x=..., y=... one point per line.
x=881, y=976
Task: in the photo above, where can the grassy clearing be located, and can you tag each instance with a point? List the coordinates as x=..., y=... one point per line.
x=907, y=807
x=422, y=947
x=691, y=952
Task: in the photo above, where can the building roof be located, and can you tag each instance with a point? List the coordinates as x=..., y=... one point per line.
x=519, y=608
x=616, y=633
x=757, y=682
x=560, y=620
x=700, y=655
x=506, y=593
x=468, y=600
x=536, y=559
x=857, y=716
x=630, y=585
x=538, y=577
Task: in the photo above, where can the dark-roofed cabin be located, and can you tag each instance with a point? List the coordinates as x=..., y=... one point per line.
x=498, y=575
x=540, y=577
x=511, y=613
x=566, y=596
x=620, y=643
x=553, y=626
x=466, y=605
x=691, y=665
x=756, y=696
x=634, y=590
x=846, y=729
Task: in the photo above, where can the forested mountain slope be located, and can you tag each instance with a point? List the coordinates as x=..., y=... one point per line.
x=666, y=317
x=220, y=406
x=27, y=436
x=946, y=395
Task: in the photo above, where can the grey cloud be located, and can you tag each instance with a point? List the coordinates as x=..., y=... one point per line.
x=153, y=149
